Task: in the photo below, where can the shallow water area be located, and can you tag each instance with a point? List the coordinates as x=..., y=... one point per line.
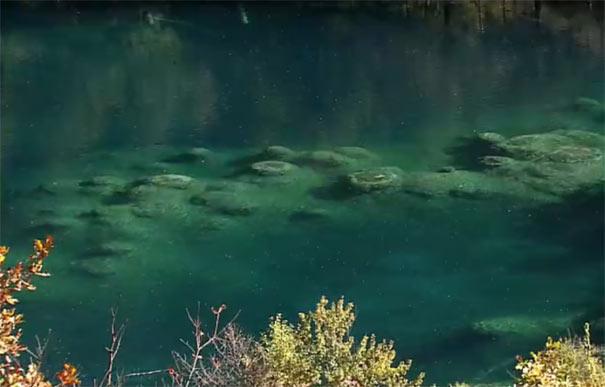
x=137, y=135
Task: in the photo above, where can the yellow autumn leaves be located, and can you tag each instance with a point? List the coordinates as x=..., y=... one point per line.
x=14, y=279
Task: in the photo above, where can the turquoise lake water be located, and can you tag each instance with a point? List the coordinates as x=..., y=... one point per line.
x=126, y=91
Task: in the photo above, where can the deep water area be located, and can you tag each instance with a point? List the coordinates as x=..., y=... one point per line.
x=443, y=175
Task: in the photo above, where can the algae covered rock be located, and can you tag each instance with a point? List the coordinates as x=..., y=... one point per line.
x=171, y=181
x=523, y=326
x=272, y=168
x=356, y=152
x=490, y=137
x=273, y=152
x=94, y=217
x=100, y=185
x=551, y=164
x=375, y=179
x=101, y=181
x=446, y=169
x=95, y=268
x=592, y=107
x=583, y=137
x=108, y=250
x=534, y=147
x=125, y=195
x=227, y=203
x=229, y=186
x=324, y=159
x=467, y=185
x=277, y=152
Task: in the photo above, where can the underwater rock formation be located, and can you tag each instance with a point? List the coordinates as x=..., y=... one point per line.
x=446, y=169
x=491, y=137
x=356, y=152
x=228, y=186
x=324, y=159
x=272, y=168
x=121, y=196
x=277, y=152
x=171, y=181
x=96, y=268
x=557, y=146
x=592, y=107
x=107, y=249
x=548, y=165
x=227, y=203
x=101, y=181
x=374, y=179
x=94, y=217
x=521, y=326
x=273, y=152
x=103, y=185
x=465, y=184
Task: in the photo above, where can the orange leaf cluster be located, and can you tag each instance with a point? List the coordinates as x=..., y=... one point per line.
x=17, y=278
x=68, y=375
x=14, y=279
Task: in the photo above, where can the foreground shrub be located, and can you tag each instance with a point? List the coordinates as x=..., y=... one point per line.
x=319, y=351
x=565, y=362
x=221, y=357
x=15, y=279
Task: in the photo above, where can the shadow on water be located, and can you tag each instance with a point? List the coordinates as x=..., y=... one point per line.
x=577, y=219
x=466, y=153
x=337, y=190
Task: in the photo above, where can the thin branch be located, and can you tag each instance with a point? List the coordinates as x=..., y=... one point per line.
x=144, y=373
x=198, y=341
x=115, y=341
x=40, y=349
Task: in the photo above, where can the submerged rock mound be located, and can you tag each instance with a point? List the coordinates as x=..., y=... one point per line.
x=272, y=168
x=591, y=107
x=374, y=179
x=171, y=181
x=551, y=164
x=558, y=146
x=324, y=159
x=521, y=326
x=277, y=152
x=101, y=181
x=227, y=203
x=356, y=152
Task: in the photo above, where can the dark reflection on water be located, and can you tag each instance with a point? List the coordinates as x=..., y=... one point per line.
x=102, y=89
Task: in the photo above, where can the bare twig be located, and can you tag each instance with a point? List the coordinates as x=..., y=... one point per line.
x=40, y=350
x=115, y=341
x=199, y=345
x=144, y=373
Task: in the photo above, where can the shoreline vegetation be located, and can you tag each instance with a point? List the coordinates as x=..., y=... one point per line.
x=316, y=351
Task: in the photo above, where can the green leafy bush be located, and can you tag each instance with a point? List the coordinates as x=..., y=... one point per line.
x=565, y=362
x=319, y=351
